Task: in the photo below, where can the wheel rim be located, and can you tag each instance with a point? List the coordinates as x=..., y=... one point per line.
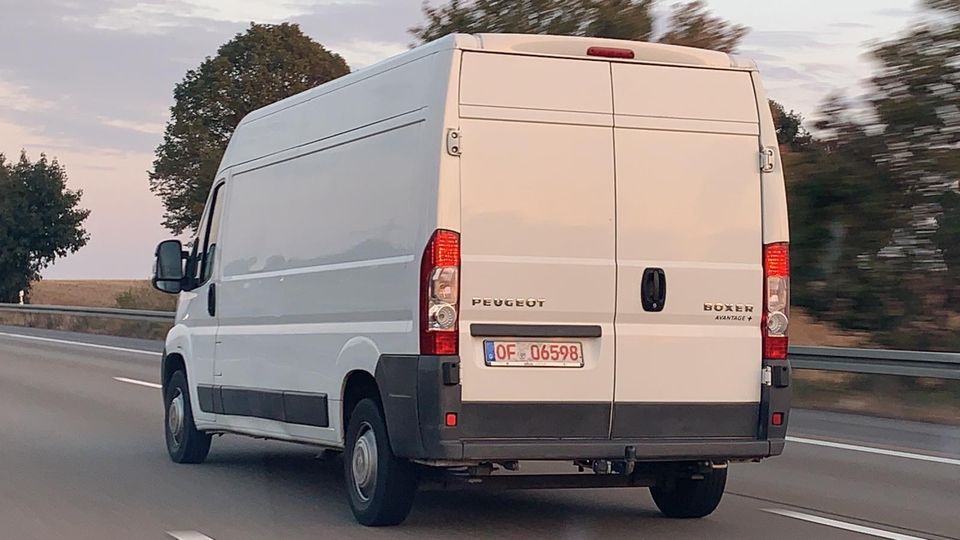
x=364, y=462
x=175, y=417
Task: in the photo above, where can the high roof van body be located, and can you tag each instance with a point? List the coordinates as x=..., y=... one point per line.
x=492, y=249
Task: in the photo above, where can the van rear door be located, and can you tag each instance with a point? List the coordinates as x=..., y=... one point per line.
x=538, y=247
x=689, y=278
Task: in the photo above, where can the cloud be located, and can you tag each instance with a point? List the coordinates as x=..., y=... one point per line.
x=900, y=13
x=152, y=128
x=784, y=39
x=825, y=69
x=16, y=97
x=760, y=56
x=162, y=17
x=785, y=73
x=361, y=53
x=849, y=24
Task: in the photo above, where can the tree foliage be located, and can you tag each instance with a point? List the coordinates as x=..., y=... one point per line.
x=258, y=67
x=789, y=126
x=916, y=96
x=845, y=209
x=874, y=201
x=40, y=221
x=691, y=24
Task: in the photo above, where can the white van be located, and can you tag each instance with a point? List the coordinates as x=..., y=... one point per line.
x=493, y=249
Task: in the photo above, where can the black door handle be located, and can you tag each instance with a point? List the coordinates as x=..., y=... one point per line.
x=653, y=289
x=212, y=300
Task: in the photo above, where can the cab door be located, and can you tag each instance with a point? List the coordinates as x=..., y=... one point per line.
x=197, y=307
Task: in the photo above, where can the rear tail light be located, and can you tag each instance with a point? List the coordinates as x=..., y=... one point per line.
x=440, y=294
x=776, y=306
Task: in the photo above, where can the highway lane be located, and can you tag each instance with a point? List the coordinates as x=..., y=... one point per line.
x=82, y=456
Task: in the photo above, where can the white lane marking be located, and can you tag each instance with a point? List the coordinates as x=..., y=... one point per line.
x=81, y=344
x=879, y=533
x=188, y=535
x=135, y=381
x=871, y=450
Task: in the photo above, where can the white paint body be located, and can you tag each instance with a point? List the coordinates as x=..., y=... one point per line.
x=576, y=173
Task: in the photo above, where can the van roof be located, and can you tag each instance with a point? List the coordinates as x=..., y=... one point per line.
x=576, y=46
x=528, y=44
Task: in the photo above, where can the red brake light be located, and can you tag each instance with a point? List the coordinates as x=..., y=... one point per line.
x=776, y=300
x=777, y=419
x=450, y=420
x=775, y=347
x=776, y=259
x=440, y=294
x=443, y=249
x=610, y=52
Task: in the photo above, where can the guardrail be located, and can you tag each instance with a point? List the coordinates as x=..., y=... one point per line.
x=110, y=313
x=878, y=361
x=871, y=361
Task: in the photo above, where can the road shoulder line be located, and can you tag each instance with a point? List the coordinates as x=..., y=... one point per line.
x=843, y=525
x=79, y=344
x=872, y=450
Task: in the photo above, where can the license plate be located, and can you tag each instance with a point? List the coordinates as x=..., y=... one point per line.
x=533, y=353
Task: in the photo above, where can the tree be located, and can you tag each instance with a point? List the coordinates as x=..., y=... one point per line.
x=875, y=204
x=916, y=97
x=625, y=19
x=512, y=16
x=258, y=67
x=40, y=221
x=692, y=25
x=845, y=210
x=789, y=126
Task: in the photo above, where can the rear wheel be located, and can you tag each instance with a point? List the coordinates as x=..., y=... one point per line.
x=185, y=443
x=689, y=498
x=380, y=485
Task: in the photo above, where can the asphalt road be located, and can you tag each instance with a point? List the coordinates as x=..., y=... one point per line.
x=82, y=456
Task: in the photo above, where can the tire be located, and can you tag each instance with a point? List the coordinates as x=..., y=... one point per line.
x=380, y=486
x=688, y=498
x=185, y=443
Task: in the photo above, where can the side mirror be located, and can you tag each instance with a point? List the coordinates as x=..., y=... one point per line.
x=168, y=268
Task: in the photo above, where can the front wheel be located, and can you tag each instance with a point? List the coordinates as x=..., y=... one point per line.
x=185, y=443
x=689, y=498
x=380, y=485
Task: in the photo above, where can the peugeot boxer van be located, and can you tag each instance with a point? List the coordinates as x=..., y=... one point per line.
x=489, y=250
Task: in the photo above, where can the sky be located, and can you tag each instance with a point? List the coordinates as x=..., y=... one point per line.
x=90, y=82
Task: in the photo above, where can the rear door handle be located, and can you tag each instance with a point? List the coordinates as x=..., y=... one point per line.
x=653, y=289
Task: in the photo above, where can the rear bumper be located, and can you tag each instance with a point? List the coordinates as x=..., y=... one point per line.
x=418, y=391
x=641, y=450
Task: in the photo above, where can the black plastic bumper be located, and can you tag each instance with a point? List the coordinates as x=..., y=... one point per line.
x=419, y=391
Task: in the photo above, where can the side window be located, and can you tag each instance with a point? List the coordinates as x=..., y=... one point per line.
x=206, y=242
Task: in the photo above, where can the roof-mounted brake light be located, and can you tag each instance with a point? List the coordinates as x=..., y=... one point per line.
x=610, y=52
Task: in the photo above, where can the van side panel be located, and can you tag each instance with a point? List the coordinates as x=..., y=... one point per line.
x=359, y=99
x=322, y=243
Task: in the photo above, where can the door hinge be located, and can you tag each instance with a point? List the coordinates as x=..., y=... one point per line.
x=767, y=159
x=766, y=376
x=454, y=142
